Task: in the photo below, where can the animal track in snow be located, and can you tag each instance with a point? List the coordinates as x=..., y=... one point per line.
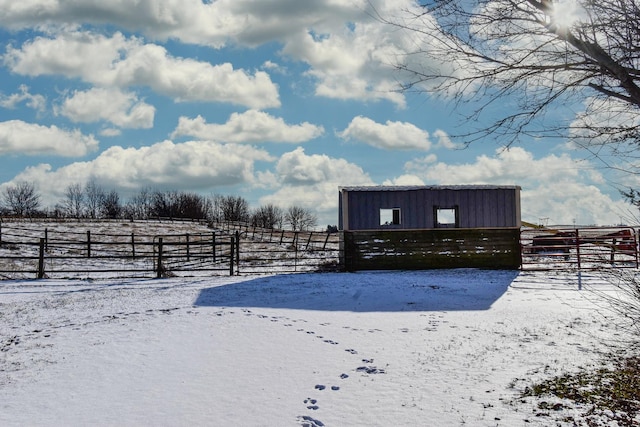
x=311, y=404
x=370, y=370
x=307, y=421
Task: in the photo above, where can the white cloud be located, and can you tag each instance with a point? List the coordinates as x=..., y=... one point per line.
x=346, y=62
x=554, y=187
x=390, y=136
x=444, y=141
x=312, y=181
x=121, y=62
x=37, y=102
x=213, y=23
x=422, y=164
x=407, y=179
x=112, y=105
x=21, y=137
x=110, y=132
x=193, y=165
x=250, y=126
x=351, y=54
x=274, y=67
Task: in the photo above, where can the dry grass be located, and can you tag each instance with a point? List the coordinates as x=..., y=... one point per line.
x=604, y=396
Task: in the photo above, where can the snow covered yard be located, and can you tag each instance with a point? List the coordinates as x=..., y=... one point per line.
x=428, y=348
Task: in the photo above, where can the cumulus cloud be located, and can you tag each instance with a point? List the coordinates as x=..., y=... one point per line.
x=122, y=109
x=250, y=126
x=406, y=179
x=123, y=62
x=213, y=23
x=37, y=102
x=194, y=165
x=17, y=136
x=312, y=181
x=390, y=135
x=350, y=54
x=554, y=187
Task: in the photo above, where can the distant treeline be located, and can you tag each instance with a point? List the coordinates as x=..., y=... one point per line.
x=94, y=202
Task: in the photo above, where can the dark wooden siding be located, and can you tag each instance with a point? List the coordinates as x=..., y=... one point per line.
x=477, y=207
x=497, y=248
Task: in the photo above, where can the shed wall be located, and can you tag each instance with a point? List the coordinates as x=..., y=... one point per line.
x=497, y=248
x=477, y=207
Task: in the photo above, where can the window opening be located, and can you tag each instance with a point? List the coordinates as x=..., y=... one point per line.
x=390, y=216
x=446, y=217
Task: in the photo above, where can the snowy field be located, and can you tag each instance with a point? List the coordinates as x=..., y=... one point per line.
x=426, y=348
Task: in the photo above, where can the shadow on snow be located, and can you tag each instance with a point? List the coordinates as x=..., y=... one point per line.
x=380, y=291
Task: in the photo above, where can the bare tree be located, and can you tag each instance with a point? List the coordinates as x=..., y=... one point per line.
x=531, y=54
x=110, y=206
x=300, y=219
x=268, y=216
x=192, y=205
x=21, y=199
x=139, y=206
x=94, y=194
x=232, y=208
x=73, y=201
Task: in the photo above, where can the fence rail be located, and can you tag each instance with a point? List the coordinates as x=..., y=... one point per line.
x=586, y=248
x=150, y=255
x=264, y=250
x=31, y=249
x=65, y=250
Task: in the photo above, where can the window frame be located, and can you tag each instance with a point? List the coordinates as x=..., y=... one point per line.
x=394, y=214
x=438, y=212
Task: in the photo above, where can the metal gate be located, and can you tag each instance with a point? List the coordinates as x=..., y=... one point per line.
x=585, y=248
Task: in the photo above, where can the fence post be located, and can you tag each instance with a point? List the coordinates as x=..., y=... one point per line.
x=213, y=245
x=635, y=246
x=188, y=251
x=237, y=252
x=41, y=260
x=160, y=268
x=46, y=239
x=325, y=241
x=308, y=241
x=133, y=245
x=88, y=244
x=578, y=247
x=0, y=230
x=232, y=251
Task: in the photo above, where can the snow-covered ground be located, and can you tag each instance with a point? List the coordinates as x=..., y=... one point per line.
x=424, y=348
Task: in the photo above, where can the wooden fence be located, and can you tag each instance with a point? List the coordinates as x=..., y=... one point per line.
x=86, y=254
x=581, y=248
x=66, y=250
x=432, y=248
x=63, y=250
x=266, y=250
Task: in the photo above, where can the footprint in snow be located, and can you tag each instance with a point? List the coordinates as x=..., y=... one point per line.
x=306, y=421
x=311, y=404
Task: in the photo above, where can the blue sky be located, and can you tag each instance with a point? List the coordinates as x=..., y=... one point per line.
x=278, y=101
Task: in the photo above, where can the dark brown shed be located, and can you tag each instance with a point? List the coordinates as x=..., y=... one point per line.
x=421, y=227
x=421, y=207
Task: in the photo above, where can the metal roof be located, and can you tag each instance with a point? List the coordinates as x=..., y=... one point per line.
x=428, y=187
